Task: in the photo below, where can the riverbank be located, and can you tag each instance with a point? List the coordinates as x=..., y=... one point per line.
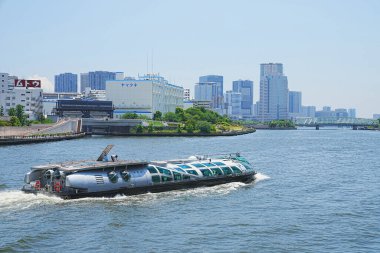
x=267, y=127
x=15, y=140
x=182, y=134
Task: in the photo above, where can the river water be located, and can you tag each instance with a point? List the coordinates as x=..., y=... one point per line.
x=317, y=191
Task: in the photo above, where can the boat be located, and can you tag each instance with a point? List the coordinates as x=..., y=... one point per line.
x=106, y=177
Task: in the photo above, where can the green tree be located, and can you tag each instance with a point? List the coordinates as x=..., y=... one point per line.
x=150, y=128
x=190, y=126
x=139, y=129
x=179, y=129
x=21, y=115
x=129, y=115
x=15, y=121
x=12, y=112
x=170, y=117
x=204, y=126
x=157, y=115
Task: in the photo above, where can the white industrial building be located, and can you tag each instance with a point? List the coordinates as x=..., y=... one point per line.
x=145, y=95
x=11, y=96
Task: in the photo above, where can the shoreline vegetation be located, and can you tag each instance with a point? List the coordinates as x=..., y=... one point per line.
x=195, y=121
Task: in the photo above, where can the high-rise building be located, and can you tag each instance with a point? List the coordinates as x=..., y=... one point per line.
x=97, y=79
x=352, y=113
x=217, y=89
x=186, y=94
x=295, y=102
x=245, y=87
x=274, y=93
x=308, y=111
x=233, y=102
x=84, y=81
x=66, y=82
x=204, y=92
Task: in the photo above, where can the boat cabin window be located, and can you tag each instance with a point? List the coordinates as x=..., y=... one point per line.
x=166, y=179
x=217, y=171
x=186, y=177
x=184, y=166
x=206, y=172
x=152, y=169
x=156, y=179
x=247, y=166
x=236, y=170
x=227, y=170
x=198, y=165
x=120, y=168
x=177, y=176
x=219, y=163
x=180, y=170
x=194, y=172
x=164, y=171
x=209, y=164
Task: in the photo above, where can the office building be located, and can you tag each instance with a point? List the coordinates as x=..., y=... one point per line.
x=233, y=102
x=245, y=88
x=97, y=79
x=308, y=111
x=352, y=113
x=11, y=96
x=186, y=94
x=295, y=102
x=66, y=82
x=217, y=89
x=145, y=95
x=274, y=93
x=84, y=81
x=204, y=92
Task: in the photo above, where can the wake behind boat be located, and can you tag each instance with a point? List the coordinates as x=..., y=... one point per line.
x=108, y=178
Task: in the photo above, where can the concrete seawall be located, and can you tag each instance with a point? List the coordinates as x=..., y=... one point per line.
x=14, y=140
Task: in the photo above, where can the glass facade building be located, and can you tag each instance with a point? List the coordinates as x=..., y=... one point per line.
x=274, y=93
x=66, y=82
x=245, y=87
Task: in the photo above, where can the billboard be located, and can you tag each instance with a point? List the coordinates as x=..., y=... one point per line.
x=28, y=83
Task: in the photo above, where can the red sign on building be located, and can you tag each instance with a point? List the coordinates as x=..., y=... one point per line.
x=28, y=83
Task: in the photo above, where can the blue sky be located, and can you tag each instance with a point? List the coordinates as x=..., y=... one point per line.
x=330, y=49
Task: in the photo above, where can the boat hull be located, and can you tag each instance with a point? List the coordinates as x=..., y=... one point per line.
x=74, y=193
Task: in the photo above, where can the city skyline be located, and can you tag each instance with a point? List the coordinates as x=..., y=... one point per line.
x=327, y=56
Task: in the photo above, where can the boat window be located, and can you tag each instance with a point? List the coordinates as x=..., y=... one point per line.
x=164, y=171
x=227, y=170
x=209, y=164
x=152, y=169
x=219, y=163
x=184, y=166
x=120, y=168
x=198, y=165
x=177, y=176
x=194, y=172
x=166, y=179
x=217, y=171
x=156, y=179
x=247, y=166
x=180, y=170
x=236, y=170
x=186, y=177
x=206, y=172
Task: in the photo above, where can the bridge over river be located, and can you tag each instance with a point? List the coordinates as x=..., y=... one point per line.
x=339, y=122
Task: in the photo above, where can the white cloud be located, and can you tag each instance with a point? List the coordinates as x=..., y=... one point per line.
x=46, y=84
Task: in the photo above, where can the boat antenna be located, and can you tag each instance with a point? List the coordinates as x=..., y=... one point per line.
x=105, y=152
